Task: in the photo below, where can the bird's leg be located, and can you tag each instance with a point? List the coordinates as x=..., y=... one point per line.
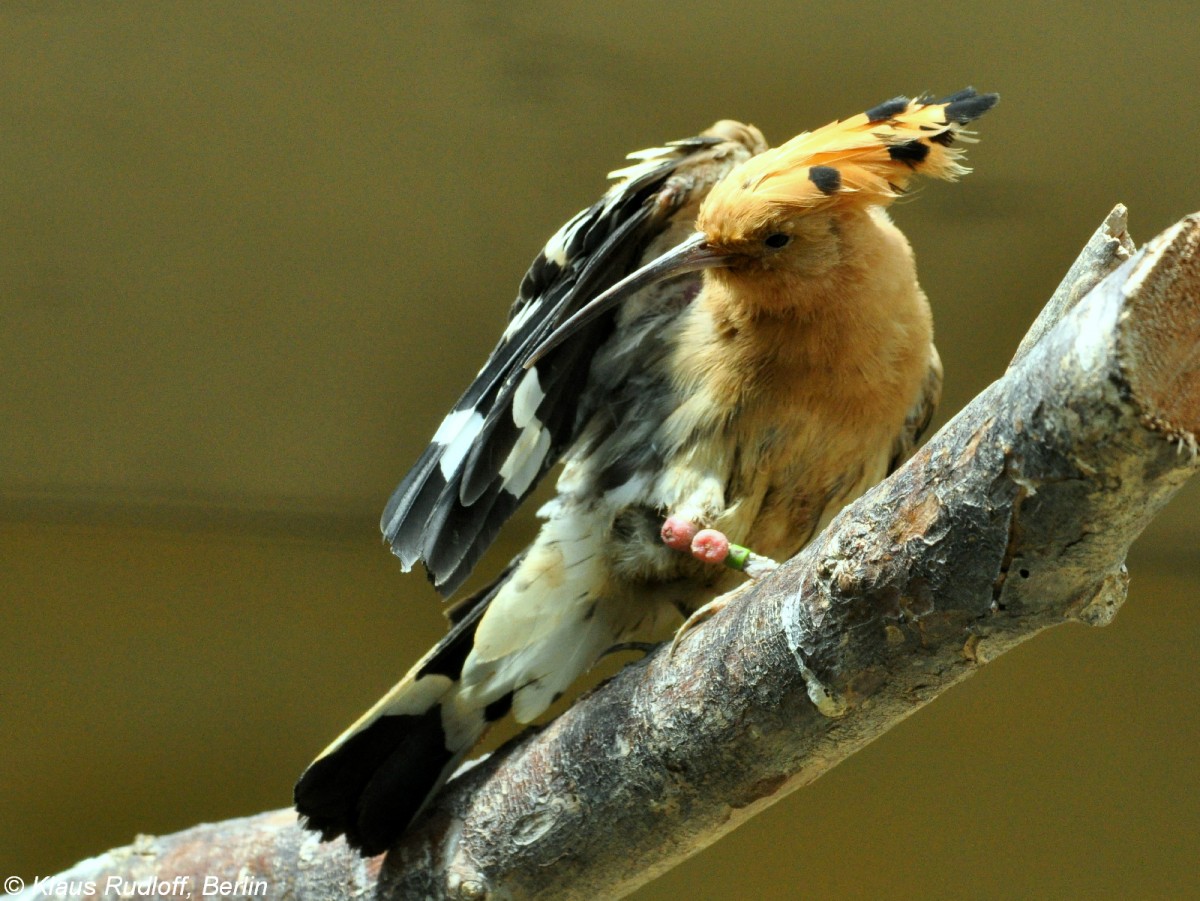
x=710, y=546
x=713, y=546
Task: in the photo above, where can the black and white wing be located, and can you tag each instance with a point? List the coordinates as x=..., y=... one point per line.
x=512, y=424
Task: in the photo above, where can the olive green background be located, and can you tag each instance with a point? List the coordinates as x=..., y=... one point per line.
x=252, y=252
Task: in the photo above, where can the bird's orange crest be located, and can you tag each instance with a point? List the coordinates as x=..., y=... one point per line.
x=866, y=159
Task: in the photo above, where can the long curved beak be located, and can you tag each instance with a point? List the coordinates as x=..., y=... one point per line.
x=693, y=254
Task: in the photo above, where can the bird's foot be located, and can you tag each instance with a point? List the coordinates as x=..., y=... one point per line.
x=712, y=546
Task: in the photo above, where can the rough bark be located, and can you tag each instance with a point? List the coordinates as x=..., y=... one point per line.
x=1017, y=516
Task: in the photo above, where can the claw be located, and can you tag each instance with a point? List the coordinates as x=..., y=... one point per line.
x=709, y=610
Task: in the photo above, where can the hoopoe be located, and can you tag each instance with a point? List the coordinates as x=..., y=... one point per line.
x=728, y=347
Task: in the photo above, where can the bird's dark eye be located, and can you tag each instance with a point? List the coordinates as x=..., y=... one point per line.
x=777, y=240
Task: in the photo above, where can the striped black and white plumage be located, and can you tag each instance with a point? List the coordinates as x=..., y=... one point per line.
x=513, y=424
x=754, y=398
x=506, y=431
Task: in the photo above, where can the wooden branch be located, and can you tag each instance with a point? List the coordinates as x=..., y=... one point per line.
x=1017, y=516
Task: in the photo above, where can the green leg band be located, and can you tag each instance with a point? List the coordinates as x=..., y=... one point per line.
x=738, y=556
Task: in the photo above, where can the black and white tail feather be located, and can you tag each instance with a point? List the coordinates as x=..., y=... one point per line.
x=378, y=774
x=510, y=426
